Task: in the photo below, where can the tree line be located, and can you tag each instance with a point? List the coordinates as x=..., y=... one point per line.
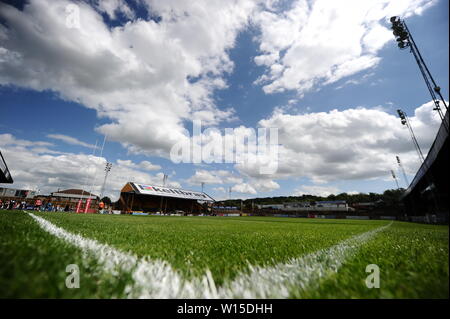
x=390, y=197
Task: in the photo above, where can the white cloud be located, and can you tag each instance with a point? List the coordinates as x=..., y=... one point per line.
x=70, y=140
x=352, y=144
x=145, y=165
x=219, y=189
x=264, y=185
x=319, y=42
x=323, y=191
x=149, y=78
x=214, y=177
x=32, y=168
x=9, y=139
x=136, y=74
x=250, y=186
x=244, y=188
x=143, y=71
x=112, y=7
x=204, y=176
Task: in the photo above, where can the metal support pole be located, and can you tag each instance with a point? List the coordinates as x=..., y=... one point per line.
x=403, y=171
x=107, y=170
x=436, y=88
x=405, y=40
x=395, y=178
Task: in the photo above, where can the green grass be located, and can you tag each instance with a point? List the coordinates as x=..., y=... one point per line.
x=413, y=258
x=33, y=264
x=224, y=245
x=413, y=263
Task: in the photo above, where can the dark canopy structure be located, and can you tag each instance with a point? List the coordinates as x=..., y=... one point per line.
x=152, y=199
x=428, y=193
x=5, y=175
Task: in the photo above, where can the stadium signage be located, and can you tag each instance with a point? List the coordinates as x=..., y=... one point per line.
x=171, y=192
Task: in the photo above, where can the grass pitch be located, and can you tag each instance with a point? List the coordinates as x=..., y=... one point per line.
x=413, y=258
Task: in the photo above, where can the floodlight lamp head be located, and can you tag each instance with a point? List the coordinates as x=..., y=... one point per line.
x=398, y=30
x=395, y=19
x=402, y=116
x=403, y=35
x=403, y=45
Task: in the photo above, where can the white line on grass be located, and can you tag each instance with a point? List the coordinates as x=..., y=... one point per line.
x=157, y=279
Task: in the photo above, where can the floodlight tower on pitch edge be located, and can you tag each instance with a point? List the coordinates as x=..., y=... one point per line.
x=403, y=171
x=406, y=40
x=107, y=170
x=395, y=178
x=405, y=121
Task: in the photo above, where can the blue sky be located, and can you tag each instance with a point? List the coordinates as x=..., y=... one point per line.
x=141, y=71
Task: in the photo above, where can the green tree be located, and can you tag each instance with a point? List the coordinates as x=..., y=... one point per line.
x=106, y=200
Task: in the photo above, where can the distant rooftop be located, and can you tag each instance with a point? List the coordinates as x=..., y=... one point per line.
x=163, y=191
x=72, y=192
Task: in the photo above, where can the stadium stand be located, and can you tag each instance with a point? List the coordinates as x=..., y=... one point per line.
x=428, y=193
x=5, y=175
x=164, y=200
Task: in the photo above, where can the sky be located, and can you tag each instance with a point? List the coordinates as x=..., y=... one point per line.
x=83, y=83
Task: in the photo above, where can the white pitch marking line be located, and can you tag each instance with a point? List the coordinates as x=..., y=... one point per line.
x=299, y=273
x=157, y=279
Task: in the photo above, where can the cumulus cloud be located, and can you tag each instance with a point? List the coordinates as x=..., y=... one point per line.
x=135, y=74
x=114, y=7
x=314, y=43
x=9, y=139
x=145, y=165
x=34, y=168
x=244, y=188
x=213, y=177
x=351, y=144
x=241, y=183
x=70, y=140
x=316, y=190
x=264, y=185
x=148, y=77
x=144, y=70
